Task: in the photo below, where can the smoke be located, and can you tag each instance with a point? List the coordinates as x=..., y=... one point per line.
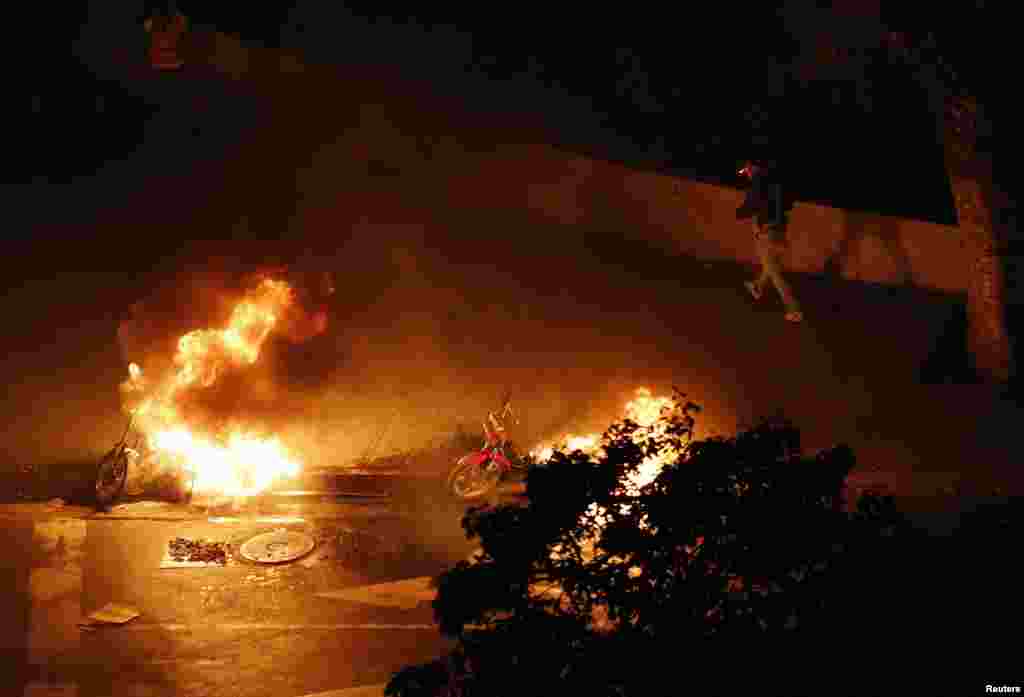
x=402, y=335
x=440, y=306
x=427, y=333
x=211, y=330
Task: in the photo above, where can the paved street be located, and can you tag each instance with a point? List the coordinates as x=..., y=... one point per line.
x=347, y=615
x=241, y=629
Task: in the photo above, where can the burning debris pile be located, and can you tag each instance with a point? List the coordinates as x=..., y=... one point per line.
x=649, y=414
x=646, y=411
x=221, y=451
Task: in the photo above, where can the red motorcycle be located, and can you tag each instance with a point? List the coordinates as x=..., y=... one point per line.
x=166, y=31
x=476, y=475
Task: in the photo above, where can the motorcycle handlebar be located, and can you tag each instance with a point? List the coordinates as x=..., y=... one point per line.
x=495, y=417
x=128, y=427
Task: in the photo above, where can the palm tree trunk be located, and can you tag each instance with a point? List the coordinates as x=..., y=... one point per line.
x=959, y=120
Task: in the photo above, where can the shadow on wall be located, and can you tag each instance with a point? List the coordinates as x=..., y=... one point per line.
x=858, y=227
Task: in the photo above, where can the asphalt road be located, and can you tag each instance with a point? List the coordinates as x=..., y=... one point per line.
x=337, y=622
x=240, y=629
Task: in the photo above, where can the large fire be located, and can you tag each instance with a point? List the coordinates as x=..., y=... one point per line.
x=646, y=411
x=231, y=461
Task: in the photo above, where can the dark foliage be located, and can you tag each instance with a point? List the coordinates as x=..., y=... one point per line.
x=599, y=587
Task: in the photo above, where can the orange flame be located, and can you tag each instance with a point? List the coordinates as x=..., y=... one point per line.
x=245, y=466
x=234, y=463
x=646, y=411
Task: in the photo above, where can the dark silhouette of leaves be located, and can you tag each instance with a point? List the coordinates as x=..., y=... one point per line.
x=739, y=546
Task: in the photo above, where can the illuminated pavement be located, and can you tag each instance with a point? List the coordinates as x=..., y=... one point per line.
x=242, y=629
x=347, y=615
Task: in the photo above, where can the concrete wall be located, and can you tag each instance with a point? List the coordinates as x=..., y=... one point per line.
x=677, y=215
x=861, y=247
x=699, y=219
x=682, y=216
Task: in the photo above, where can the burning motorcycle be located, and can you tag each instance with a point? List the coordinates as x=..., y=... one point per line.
x=113, y=468
x=476, y=475
x=112, y=474
x=167, y=30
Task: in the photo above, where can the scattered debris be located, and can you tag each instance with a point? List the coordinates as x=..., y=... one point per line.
x=184, y=552
x=277, y=547
x=111, y=613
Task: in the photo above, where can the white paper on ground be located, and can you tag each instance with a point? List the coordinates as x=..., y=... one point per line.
x=112, y=613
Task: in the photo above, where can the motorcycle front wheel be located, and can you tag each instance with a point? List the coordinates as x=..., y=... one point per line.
x=111, y=477
x=471, y=479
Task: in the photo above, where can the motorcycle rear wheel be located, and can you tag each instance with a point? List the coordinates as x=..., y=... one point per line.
x=470, y=480
x=111, y=477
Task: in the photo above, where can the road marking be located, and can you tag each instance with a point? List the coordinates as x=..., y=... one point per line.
x=301, y=493
x=361, y=691
x=226, y=520
x=244, y=626
x=407, y=593
x=192, y=661
x=102, y=517
x=38, y=689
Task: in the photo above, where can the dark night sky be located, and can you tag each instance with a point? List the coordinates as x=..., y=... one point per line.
x=653, y=90
x=674, y=94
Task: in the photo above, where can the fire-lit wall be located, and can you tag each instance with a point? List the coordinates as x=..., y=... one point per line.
x=697, y=219
x=862, y=247
x=682, y=216
x=679, y=215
